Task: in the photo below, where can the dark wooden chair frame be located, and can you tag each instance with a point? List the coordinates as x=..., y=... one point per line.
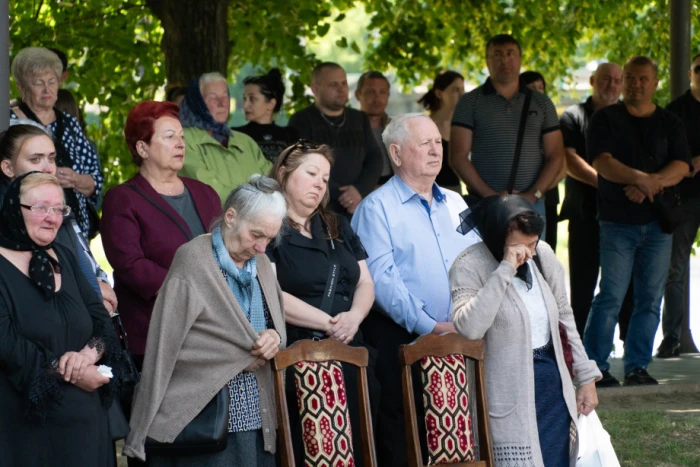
x=322, y=351
x=433, y=345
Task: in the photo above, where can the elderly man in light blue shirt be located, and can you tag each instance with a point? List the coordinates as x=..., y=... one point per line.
x=409, y=229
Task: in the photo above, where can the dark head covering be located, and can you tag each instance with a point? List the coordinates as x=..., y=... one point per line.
x=491, y=218
x=194, y=113
x=14, y=236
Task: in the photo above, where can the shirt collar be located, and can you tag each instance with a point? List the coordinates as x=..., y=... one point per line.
x=406, y=192
x=487, y=87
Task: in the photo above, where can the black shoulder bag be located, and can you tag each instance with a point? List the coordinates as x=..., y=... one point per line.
x=331, y=282
x=472, y=199
x=207, y=433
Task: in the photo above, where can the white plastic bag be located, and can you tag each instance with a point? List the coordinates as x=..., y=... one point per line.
x=594, y=446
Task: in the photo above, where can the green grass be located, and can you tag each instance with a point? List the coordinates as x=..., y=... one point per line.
x=654, y=437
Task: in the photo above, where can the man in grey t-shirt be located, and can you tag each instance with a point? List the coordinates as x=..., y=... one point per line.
x=486, y=122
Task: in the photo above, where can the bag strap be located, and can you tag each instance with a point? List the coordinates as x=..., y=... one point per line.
x=332, y=280
x=519, y=142
x=187, y=233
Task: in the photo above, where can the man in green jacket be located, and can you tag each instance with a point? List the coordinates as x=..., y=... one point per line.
x=215, y=154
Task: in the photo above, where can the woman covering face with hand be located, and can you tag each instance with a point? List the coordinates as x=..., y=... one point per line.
x=318, y=241
x=500, y=294
x=54, y=333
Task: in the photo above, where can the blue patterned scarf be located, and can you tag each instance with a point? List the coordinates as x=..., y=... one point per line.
x=194, y=113
x=242, y=282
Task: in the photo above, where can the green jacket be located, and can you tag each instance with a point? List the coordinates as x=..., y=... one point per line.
x=222, y=168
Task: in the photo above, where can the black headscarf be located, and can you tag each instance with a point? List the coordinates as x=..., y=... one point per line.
x=14, y=236
x=491, y=218
x=194, y=113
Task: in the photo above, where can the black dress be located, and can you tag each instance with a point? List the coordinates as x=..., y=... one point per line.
x=43, y=420
x=302, y=271
x=271, y=138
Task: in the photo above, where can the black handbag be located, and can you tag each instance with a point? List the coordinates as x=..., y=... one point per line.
x=207, y=433
x=130, y=372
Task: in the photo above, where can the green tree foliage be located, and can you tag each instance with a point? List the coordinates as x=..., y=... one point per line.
x=116, y=58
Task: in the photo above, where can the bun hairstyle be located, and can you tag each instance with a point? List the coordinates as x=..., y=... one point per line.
x=271, y=86
x=430, y=101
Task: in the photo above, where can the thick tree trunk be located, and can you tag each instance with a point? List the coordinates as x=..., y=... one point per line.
x=195, y=37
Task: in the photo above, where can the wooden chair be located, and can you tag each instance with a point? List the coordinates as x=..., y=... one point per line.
x=311, y=361
x=444, y=358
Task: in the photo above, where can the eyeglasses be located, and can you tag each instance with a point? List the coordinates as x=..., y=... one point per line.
x=696, y=69
x=44, y=210
x=302, y=144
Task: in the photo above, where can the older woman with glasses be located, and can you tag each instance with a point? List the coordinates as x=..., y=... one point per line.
x=216, y=155
x=37, y=72
x=319, y=241
x=54, y=334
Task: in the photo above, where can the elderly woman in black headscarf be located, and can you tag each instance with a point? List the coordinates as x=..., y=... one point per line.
x=216, y=155
x=54, y=335
x=509, y=290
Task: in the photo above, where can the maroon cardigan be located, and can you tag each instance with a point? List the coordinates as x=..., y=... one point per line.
x=140, y=242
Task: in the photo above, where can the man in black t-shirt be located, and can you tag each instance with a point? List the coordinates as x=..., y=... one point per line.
x=580, y=202
x=638, y=150
x=358, y=160
x=687, y=107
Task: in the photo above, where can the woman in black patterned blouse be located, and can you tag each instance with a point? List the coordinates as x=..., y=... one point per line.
x=37, y=72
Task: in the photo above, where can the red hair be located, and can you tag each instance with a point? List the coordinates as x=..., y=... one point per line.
x=140, y=124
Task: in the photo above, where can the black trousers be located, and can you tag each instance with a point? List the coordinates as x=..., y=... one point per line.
x=584, y=267
x=551, y=206
x=386, y=336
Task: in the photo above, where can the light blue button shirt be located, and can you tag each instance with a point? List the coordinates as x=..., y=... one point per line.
x=411, y=246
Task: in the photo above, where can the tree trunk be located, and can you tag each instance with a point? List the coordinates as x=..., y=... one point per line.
x=195, y=37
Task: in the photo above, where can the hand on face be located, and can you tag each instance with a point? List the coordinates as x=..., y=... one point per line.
x=519, y=248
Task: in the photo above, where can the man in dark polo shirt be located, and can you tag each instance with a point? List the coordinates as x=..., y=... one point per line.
x=638, y=150
x=358, y=160
x=486, y=122
x=579, y=206
x=687, y=107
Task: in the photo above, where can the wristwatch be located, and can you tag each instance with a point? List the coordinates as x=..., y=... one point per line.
x=538, y=194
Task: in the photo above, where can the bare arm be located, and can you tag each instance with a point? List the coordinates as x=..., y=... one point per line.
x=300, y=313
x=554, y=161
x=579, y=169
x=460, y=146
x=673, y=173
x=615, y=171
x=364, y=292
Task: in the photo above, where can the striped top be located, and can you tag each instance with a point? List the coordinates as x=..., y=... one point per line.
x=495, y=120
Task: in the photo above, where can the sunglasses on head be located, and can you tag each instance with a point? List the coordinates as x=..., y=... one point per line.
x=696, y=69
x=302, y=144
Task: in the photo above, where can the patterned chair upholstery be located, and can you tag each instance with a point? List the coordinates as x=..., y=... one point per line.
x=323, y=408
x=322, y=403
x=452, y=437
x=448, y=418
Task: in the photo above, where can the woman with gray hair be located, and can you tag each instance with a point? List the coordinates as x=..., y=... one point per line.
x=37, y=72
x=217, y=322
x=216, y=155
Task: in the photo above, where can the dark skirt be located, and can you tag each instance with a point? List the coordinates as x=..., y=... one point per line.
x=243, y=448
x=553, y=420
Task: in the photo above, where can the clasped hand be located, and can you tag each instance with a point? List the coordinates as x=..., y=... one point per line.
x=647, y=186
x=265, y=348
x=79, y=368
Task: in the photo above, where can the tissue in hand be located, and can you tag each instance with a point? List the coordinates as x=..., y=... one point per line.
x=105, y=370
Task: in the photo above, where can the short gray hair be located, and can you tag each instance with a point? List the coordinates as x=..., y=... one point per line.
x=32, y=61
x=212, y=77
x=396, y=131
x=249, y=200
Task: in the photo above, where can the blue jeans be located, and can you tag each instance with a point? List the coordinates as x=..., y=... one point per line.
x=646, y=251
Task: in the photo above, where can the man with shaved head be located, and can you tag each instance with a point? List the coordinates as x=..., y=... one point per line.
x=640, y=152
x=580, y=204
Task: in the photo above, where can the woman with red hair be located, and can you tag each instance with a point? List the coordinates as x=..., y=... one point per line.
x=146, y=219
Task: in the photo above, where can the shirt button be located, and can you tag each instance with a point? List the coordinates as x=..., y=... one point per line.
x=343, y=282
x=346, y=298
x=264, y=410
x=269, y=447
x=267, y=430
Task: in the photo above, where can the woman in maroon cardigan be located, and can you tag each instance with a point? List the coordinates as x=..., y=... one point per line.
x=146, y=219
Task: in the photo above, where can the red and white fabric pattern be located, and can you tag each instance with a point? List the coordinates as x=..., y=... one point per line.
x=323, y=409
x=448, y=418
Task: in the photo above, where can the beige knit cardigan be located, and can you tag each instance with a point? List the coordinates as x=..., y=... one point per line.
x=487, y=306
x=199, y=338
